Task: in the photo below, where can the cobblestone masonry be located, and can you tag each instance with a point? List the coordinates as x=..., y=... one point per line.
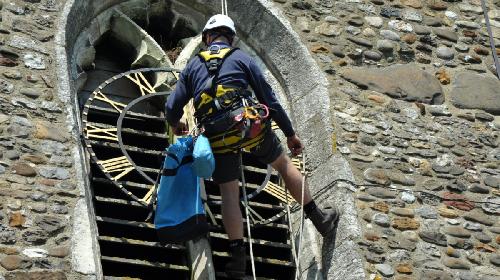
x=37, y=177
x=429, y=125
x=416, y=104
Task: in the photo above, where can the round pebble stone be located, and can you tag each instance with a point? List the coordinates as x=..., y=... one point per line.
x=11, y=154
x=483, y=237
x=444, y=53
x=451, y=15
x=409, y=38
x=385, y=45
x=453, y=222
x=478, y=188
x=427, y=212
x=385, y=269
x=483, y=116
x=495, y=259
x=389, y=35
x=331, y=19
x=472, y=226
x=422, y=30
x=374, y=21
x=338, y=51
x=352, y=30
x=356, y=21
x=368, y=32
x=408, y=197
x=400, y=25
x=382, y=220
x=467, y=275
x=456, y=263
x=450, y=251
x=462, y=47
x=412, y=15
x=372, y=55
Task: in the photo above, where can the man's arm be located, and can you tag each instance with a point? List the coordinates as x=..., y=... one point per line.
x=176, y=102
x=265, y=95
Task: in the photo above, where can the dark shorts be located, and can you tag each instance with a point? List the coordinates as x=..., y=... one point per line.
x=227, y=166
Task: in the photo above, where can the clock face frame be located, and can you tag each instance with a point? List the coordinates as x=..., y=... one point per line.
x=116, y=168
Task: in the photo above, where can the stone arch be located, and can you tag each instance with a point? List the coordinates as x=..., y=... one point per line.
x=273, y=40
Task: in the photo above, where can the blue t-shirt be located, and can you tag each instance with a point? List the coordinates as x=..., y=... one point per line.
x=238, y=70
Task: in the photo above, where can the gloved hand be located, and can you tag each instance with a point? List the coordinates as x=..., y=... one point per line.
x=295, y=145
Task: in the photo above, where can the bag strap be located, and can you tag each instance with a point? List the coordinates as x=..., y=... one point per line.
x=165, y=172
x=173, y=171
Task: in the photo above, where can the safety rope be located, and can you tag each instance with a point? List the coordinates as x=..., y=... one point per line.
x=224, y=7
x=245, y=199
x=288, y=213
x=492, y=42
x=298, y=272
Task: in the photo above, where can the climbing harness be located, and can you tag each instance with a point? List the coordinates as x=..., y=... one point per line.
x=492, y=43
x=229, y=116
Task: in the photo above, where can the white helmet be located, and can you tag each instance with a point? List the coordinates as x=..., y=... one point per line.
x=220, y=21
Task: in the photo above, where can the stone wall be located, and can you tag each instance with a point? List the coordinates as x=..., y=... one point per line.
x=47, y=211
x=38, y=177
x=414, y=108
x=415, y=102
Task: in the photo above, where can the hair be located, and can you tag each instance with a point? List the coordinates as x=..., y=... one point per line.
x=220, y=31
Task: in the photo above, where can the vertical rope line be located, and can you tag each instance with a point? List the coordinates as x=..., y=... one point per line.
x=492, y=43
x=222, y=6
x=290, y=228
x=243, y=183
x=301, y=214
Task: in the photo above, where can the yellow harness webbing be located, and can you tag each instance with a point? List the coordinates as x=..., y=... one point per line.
x=222, y=97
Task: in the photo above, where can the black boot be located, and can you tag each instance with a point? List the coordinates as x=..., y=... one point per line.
x=236, y=267
x=325, y=221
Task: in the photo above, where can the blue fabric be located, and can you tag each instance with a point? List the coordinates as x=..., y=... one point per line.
x=203, y=158
x=238, y=70
x=178, y=196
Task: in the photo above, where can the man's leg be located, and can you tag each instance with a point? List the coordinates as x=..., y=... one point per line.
x=231, y=214
x=233, y=223
x=326, y=220
x=292, y=177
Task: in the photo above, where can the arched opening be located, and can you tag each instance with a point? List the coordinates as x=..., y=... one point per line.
x=122, y=38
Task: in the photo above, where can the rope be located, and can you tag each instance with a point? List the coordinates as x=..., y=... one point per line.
x=492, y=43
x=245, y=198
x=224, y=7
x=294, y=249
x=298, y=275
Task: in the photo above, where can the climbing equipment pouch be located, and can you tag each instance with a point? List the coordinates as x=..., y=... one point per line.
x=223, y=122
x=180, y=215
x=203, y=158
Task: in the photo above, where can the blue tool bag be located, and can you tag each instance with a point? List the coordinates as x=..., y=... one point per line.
x=180, y=215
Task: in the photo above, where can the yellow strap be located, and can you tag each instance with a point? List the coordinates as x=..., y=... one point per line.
x=247, y=145
x=207, y=55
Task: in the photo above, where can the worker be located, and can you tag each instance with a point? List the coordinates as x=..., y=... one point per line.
x=215, y=78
